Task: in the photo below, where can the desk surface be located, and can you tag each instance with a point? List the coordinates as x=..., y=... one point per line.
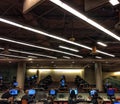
x=64, y=96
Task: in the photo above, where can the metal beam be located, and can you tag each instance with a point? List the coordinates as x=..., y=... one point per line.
x=64, y=60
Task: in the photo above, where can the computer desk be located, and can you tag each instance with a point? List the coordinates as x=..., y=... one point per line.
x=62, y=98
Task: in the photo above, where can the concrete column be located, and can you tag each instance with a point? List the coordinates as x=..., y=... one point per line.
x=21, y=74
x=89, y=75
x=98, y=76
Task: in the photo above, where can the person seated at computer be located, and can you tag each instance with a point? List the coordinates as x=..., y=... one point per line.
x=27, y=98
x=95, y=99
x=50, y=100
x=21, y=93
x=63, y=82
x=72, y=98
x=7, y=98
x=107, y=85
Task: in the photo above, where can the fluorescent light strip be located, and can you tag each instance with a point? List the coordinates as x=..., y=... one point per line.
x=58, y=70
x=102, y=44
x=114, y=2
x=13, y=56
x=45, y=34
x=1, y=48
x=83, y=17
x=71, y=49
x=42, y=33
x=105, y=53
x=39, y=47
x=98, y=57
x=12, y=50
x=66, y=57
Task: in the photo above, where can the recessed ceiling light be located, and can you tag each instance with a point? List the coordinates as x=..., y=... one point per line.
x=102, y=44
x=30, y=59
x=52, y=62
x=114, y=2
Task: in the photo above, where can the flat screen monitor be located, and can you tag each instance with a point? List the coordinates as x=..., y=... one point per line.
x=15, y=84
x=110, y=92
x=75, y=90
x=62, y=82
x=13, y=92
x=1, y=77
x=52, y=92
x=31, y=92
x=93, y=93
x=116, y=102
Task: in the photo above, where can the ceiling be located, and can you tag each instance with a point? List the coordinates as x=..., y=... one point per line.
x=54, y=20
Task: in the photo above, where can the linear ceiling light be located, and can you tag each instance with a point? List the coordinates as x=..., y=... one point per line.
x=42, y=33
x=12, y=50
x=105, y=53
x=66, y=57
x=13, y=56
x=83, y=17
x=39, y=47
x=71, y=49
x=24, y=52
x=102, y=44
x=45, y=34
x=114, y=2
x=98, y=57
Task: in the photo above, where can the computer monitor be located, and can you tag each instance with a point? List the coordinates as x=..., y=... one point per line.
x=116, y=102
x=1, y=77
x=52, y=92
x=73, y=89
x=15, y=84
x=62, y=83
x=110, y=92
x=31, y=92
x=93, y=93
x=13, y=92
